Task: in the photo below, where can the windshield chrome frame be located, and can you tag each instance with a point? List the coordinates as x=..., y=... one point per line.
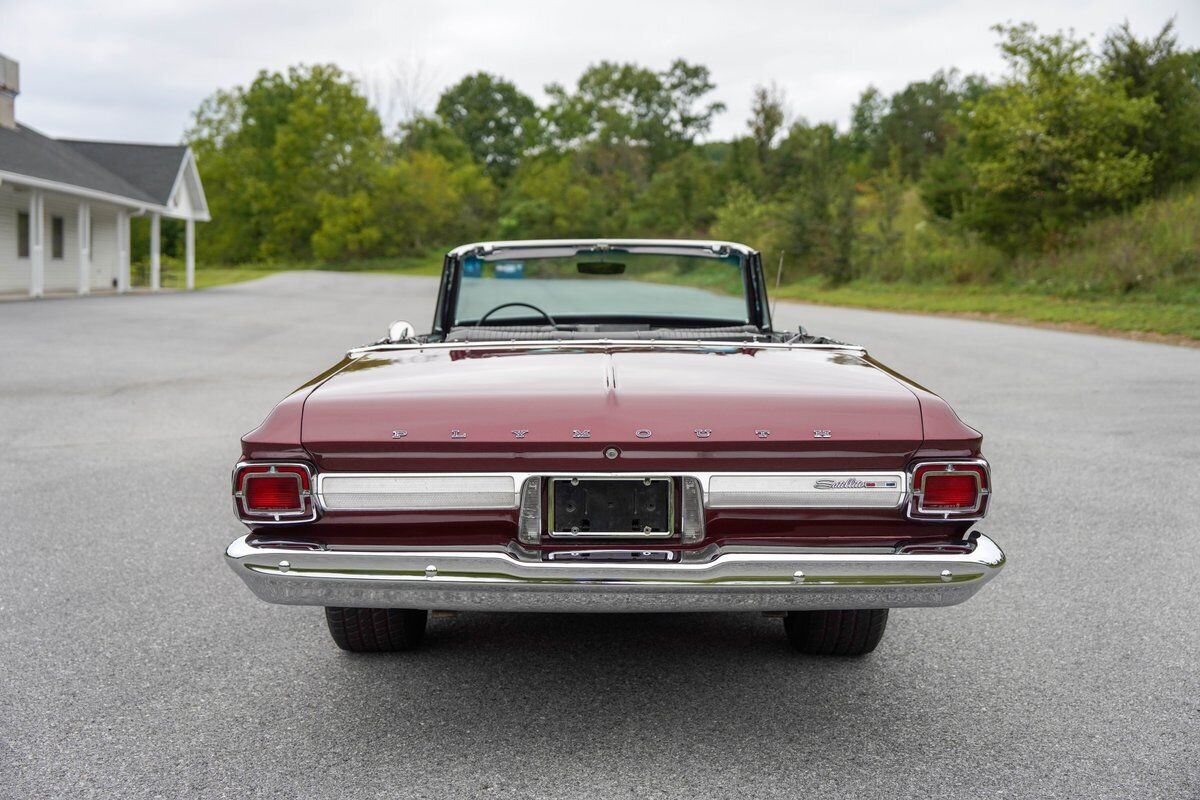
x=754, y=287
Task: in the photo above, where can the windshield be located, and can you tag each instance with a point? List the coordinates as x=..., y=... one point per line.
x=602, y=285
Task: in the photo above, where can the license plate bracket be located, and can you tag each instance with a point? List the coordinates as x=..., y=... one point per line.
x=637, y=507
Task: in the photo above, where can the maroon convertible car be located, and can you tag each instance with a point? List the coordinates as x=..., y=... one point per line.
x=611, y=426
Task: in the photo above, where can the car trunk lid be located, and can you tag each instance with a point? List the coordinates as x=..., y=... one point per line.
x=560, y=407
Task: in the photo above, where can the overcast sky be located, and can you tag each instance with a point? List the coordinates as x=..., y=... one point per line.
x=135, y=69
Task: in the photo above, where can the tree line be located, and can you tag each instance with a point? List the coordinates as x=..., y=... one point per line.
x=298, y=166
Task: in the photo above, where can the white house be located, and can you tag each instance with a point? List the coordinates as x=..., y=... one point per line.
x=65, y=204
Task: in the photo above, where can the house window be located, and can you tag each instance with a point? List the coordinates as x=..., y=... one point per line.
x=56, y=237
x=22, y=234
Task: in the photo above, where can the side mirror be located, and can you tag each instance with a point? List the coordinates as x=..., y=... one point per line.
x=400, y=331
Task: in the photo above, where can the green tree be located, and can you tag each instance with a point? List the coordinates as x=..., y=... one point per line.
x=626, y=105
x=274, y=153
x=818, y=212
x=866, y=122
x=880, y=239
x=222, y=157
x=746, y=217
x=914, y=125
x=424, y=200
x=679, y=200
x=739, y=164
x=430, y=134
x=919, y=122
x=1157, y=69
x=415, y=202
x=552, y=196
x=767, y=114
x=1050, y=146
x=947, y=182
x=349, y=227
x=491, y=116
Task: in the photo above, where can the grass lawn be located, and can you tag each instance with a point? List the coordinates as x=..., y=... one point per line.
x=1171, y=316
x=207, y=276
x=1174, y=319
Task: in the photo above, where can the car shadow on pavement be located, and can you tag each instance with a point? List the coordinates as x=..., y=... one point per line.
x=592, y=683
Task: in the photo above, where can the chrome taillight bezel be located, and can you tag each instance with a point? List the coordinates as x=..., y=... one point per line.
x=305, y=476
x=978, y=468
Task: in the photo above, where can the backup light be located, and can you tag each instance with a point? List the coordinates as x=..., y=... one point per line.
x=950, y=490
x=529, y=523
x=271, y=493
x=692, y=514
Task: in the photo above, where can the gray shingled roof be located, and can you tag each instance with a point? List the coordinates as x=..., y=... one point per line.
x=133, y=171
x=152, y=168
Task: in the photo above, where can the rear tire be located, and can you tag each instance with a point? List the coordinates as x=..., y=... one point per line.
x=836, y=633
x=376, y=630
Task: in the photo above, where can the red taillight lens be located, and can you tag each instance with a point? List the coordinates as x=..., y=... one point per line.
x=950, y=490
x=273, y=493
x=953, y=492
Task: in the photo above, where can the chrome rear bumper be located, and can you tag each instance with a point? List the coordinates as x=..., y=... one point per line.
x=498, y=581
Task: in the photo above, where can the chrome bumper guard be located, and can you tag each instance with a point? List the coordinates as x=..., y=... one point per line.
x=778, y=580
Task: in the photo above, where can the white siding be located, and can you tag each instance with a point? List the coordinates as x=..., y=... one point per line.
x=104, y=247
x=62, y=275
x=181, y=200
x=14, y=272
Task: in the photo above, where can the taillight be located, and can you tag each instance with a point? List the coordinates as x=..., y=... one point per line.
x=273, y=492
x=270, y=493
x=946, y=492
x=950, y=490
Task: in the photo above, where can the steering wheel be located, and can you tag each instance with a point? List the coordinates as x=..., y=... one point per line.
x=549, y=318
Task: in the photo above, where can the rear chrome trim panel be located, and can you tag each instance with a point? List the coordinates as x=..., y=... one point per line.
x=348, y=492
x=779, y=580
x=394, y=491
x=808, y=490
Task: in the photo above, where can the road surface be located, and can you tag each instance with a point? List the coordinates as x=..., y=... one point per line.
x=133, y=663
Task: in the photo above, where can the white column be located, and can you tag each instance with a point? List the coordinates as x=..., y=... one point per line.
x=190, y=253
x=122, y=251
x=84, y=228
x=155, y=262
x=37, y=243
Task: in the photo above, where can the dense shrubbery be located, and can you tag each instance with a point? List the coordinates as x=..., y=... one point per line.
x=953, y=179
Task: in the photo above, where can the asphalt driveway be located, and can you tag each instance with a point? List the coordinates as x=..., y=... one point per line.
x=133, y=663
